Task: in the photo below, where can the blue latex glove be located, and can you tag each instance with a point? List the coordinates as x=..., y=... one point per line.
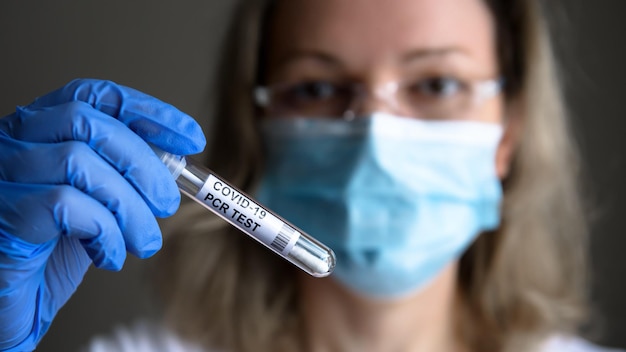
x=79, y=184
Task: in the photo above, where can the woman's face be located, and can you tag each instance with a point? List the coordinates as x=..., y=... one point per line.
x=431, y=47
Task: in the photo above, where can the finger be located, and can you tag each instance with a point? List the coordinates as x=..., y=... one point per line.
x=155, y=121
x=75, y=164
x=118, y=145
x=41, y=213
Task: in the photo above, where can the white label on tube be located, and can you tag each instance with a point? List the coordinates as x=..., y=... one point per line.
x=246, y=215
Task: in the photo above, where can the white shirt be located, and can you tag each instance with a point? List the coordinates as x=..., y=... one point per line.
x=144, y=337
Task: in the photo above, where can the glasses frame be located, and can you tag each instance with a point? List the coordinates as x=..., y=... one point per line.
x=480, y=91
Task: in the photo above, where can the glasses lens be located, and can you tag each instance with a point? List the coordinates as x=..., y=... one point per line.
x=311, y=98
x=436, y=98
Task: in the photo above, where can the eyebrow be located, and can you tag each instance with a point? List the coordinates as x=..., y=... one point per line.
x=429, y=53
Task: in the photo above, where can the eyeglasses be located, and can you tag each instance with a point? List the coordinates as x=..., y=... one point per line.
x=432, y=98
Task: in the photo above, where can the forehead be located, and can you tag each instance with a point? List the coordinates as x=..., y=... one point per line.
x=368, y=31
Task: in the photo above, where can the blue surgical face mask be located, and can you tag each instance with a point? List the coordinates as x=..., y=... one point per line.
x=396, y=198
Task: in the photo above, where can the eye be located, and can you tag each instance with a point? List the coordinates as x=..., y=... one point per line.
x=312, y=91
x=437, y=87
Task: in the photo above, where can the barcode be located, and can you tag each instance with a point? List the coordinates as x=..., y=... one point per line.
x=283, y=238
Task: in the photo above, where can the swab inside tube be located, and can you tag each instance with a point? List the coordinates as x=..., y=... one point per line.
x=247, y=215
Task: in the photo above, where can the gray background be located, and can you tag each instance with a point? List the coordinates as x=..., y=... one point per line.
x=167, y=49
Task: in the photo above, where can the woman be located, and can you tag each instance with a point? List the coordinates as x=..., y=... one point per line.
x=514, y=288
x=424, y=140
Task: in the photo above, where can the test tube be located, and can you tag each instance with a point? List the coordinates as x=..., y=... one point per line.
x=247, y=215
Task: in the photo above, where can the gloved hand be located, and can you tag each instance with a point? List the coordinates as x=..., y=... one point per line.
x=79, y=184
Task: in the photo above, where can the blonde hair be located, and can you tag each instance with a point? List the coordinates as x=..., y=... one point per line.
x=517, y=284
